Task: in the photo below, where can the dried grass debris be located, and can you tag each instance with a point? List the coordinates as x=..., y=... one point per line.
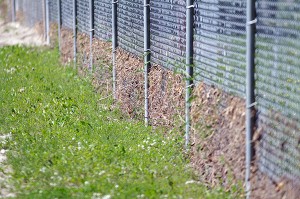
x=130, y=84
x=67, y=43
x=218, y=132
x=166, y=98
x=53, y=34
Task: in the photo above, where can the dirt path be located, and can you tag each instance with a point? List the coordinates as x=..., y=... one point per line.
x=14, y=33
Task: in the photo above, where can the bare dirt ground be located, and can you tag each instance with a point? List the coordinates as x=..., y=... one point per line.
x=14, y=33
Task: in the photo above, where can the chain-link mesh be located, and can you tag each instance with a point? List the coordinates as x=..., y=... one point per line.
x=19, y=5
x=53, y=10
x=167, y=30
x=131, y=26
x=67, y=13
x=83, y=16
x=102, y=19
x=220, y=43
x=278, y=87
x=31, y=11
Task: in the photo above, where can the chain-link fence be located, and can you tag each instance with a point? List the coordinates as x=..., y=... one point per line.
x=219, y=56
x=167, y=32
x=130, y=26
x=30, y=12
x=83, y=16
x=102, y=17
x=278, y=87
x=220, y=45
x=67, y=13
x=53, y=11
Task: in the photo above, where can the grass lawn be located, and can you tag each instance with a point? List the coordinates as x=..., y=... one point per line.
x=66, y=143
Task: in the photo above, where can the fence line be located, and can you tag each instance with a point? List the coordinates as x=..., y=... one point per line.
x=217, y=40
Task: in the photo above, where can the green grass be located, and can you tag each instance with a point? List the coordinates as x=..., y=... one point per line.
x=66, y=143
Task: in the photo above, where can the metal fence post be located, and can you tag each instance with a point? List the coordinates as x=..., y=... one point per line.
x=59, y=24
x=147, y=53
x=114, y=43
x=75, y=32
x=13, y=10
x=45, y=19
x=48, y=21
x=91, y=33
x=250, y=85
x=189, y=66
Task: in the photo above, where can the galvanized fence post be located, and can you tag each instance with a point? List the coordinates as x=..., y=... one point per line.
x=250, y=86
x=13, y=10
x=114, y=43
x=45, y=19
x=91, y=5
x=59, y=24
x=147, y=54
x=189, y=66
x=75, y=32
x=48, y=21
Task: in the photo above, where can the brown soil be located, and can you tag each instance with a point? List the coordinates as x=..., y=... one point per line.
x=67, y=54
x=102, y=69
x=83, y=53
x=166, y=91
x=4, y=11
x=53, y=34
x=166, y=98
x=130, y=84
x=218, y=135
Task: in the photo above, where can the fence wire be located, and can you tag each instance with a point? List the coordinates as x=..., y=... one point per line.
x=131, y=26
x=103, y=19
x=83, y=16
x=220, y=43
x=278, y=87
x=53, y=10
x=30, y=12
x=167, y=31
x=67, y=13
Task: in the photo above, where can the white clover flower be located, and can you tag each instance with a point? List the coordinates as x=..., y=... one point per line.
x=52, y=184
x=43, y=169
x=152, y=144
x=141, y=196
x=106, y=197
x=96, y=196
x=21, y=90
x=101, y=173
